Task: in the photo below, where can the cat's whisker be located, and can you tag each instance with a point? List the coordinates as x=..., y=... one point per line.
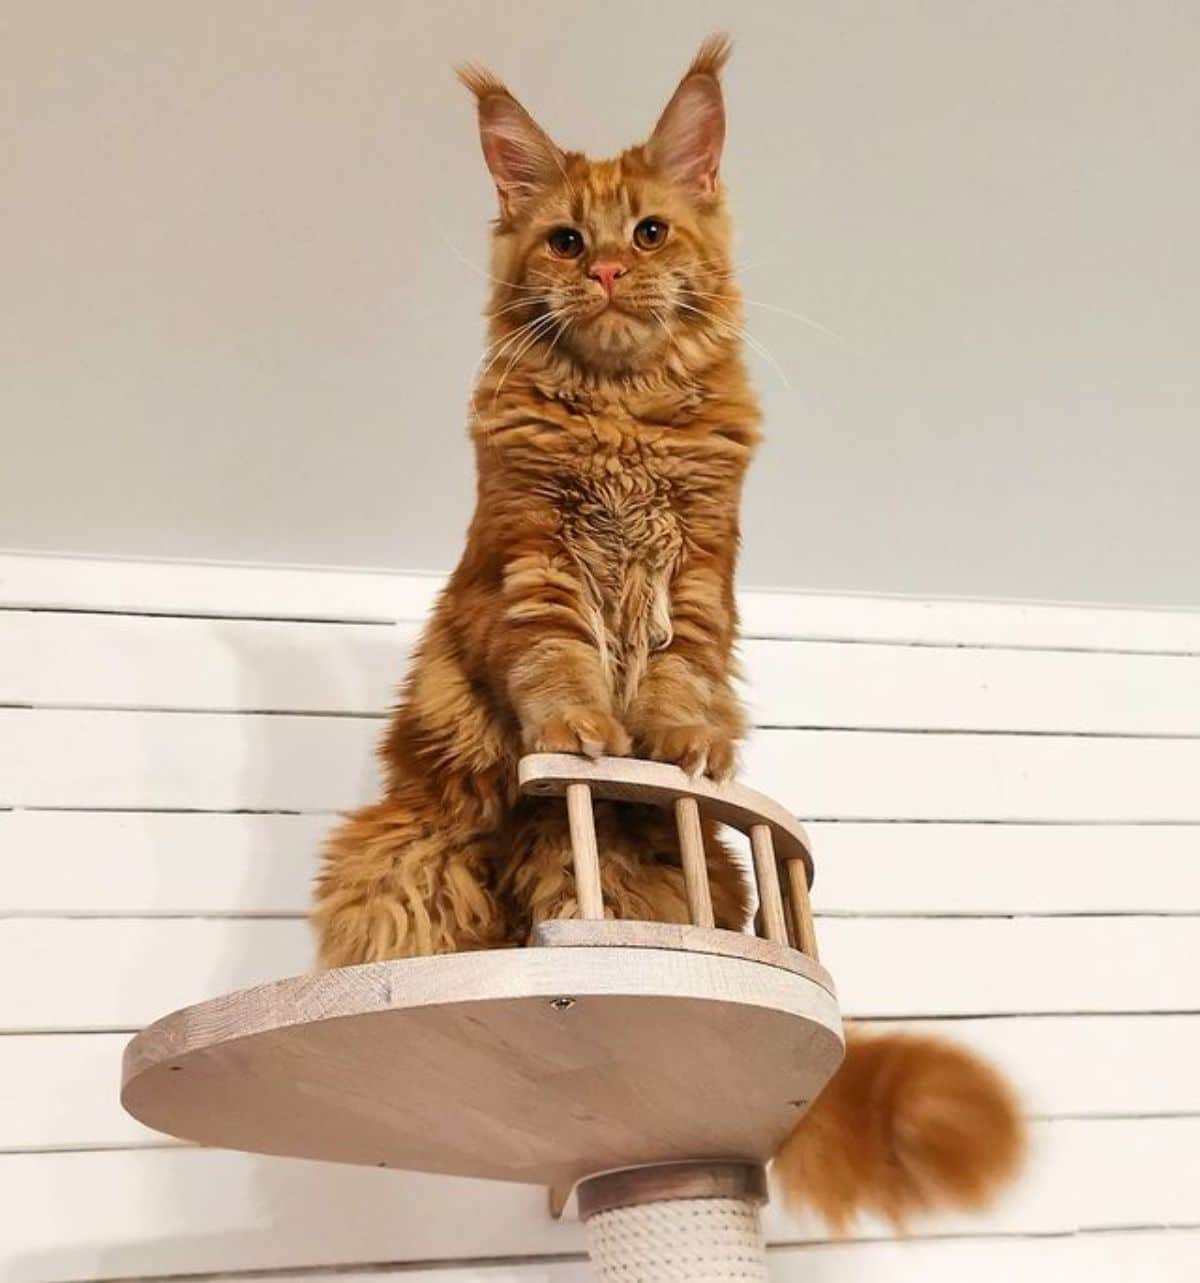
x=530, y=339
x=720, y=266
x=768, y=254
x=771, y=307
x=487, y=276
x=503, y=344
x=744, y=335
x=504, y=339
x=551, y=281
x=534, y=301
x=672, y=339
x=562, y=329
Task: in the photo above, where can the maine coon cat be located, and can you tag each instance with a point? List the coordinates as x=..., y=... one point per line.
x=593, y=612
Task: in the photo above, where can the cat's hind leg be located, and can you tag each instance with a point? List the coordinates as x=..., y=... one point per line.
x=400, y=880
x=641, y=877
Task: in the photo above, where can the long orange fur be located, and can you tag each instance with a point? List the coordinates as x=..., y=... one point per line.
x=593, y=612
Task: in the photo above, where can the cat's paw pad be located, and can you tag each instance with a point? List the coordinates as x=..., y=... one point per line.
x=698, y=749
x=589, y=731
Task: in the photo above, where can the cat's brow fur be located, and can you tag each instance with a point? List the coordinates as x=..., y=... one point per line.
x=593, y=608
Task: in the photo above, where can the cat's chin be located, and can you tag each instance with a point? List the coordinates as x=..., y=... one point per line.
x=617, y=338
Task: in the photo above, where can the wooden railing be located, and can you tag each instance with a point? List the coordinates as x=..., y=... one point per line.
x=783, y=867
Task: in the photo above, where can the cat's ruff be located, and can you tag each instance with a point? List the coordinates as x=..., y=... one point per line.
x=604, y=1047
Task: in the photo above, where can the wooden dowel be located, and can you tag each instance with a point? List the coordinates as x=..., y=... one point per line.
x=788, y=912
x=695, y=866
x=584, y=852
x=801, y=909
x=774, y=924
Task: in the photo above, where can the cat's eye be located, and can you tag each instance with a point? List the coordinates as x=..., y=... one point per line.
x=650, y=233
x=566, y=242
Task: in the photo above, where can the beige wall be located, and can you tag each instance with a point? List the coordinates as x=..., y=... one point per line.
x=237, y=322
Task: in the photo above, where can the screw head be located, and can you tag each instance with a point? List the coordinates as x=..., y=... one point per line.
x=563, y=1004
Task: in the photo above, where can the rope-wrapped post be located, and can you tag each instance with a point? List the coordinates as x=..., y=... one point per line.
x=698, y=1222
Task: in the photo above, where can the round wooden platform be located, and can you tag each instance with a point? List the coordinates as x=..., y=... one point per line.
x=613, y=1044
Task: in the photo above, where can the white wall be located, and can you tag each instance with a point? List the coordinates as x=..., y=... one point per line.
x=237, y=322
x=1007, y=830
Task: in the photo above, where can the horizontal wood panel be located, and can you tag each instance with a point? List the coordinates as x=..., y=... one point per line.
x=157, y=1212
x=194, y=588
x=147, y=863
x=1005, y=868
x=939, y=688
x=280, y=592
x=900, y=776
x=80, y=660
x=182, y=1211
x=1153, y=1256
x=1156, y=1256
x=96, y=862
x=117, y=974
x=210, y=761
x=924, y=622
x=185, y=761
x=947, y=966
x=58, y=1091
x=1067, y=1066
x=111, y=973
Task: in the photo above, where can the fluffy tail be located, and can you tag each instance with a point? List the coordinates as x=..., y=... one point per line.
x=908, y=1124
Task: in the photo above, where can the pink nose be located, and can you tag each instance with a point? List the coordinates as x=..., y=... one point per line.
x=606, y=273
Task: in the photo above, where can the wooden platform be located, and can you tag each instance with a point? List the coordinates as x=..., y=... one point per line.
x=539, y=1065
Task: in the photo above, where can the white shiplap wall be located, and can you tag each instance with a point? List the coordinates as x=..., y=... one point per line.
x=1005, y=802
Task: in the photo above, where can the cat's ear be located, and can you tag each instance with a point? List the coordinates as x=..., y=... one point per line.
x=686, y=144
x=520, y=155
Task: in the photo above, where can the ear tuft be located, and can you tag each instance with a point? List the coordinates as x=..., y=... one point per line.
x=687, y=141
x=712, y=56
x=519, y=154
x=479, y=80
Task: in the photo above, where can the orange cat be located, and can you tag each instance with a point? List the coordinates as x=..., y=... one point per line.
x=593, y=608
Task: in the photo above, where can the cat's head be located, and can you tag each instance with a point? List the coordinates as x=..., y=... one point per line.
x=622, y=265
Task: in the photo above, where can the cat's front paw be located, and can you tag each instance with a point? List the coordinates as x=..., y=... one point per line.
x=697, y=748
x=577, y=729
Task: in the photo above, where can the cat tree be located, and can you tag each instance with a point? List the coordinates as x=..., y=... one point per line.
x=652, y=1069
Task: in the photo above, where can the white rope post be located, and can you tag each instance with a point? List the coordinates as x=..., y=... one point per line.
x=697, y=1222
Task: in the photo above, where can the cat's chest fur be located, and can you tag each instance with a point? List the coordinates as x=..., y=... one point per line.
x=618, y=510
x=623, y=525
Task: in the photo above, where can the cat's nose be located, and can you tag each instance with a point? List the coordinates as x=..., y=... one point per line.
x=606, y=272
